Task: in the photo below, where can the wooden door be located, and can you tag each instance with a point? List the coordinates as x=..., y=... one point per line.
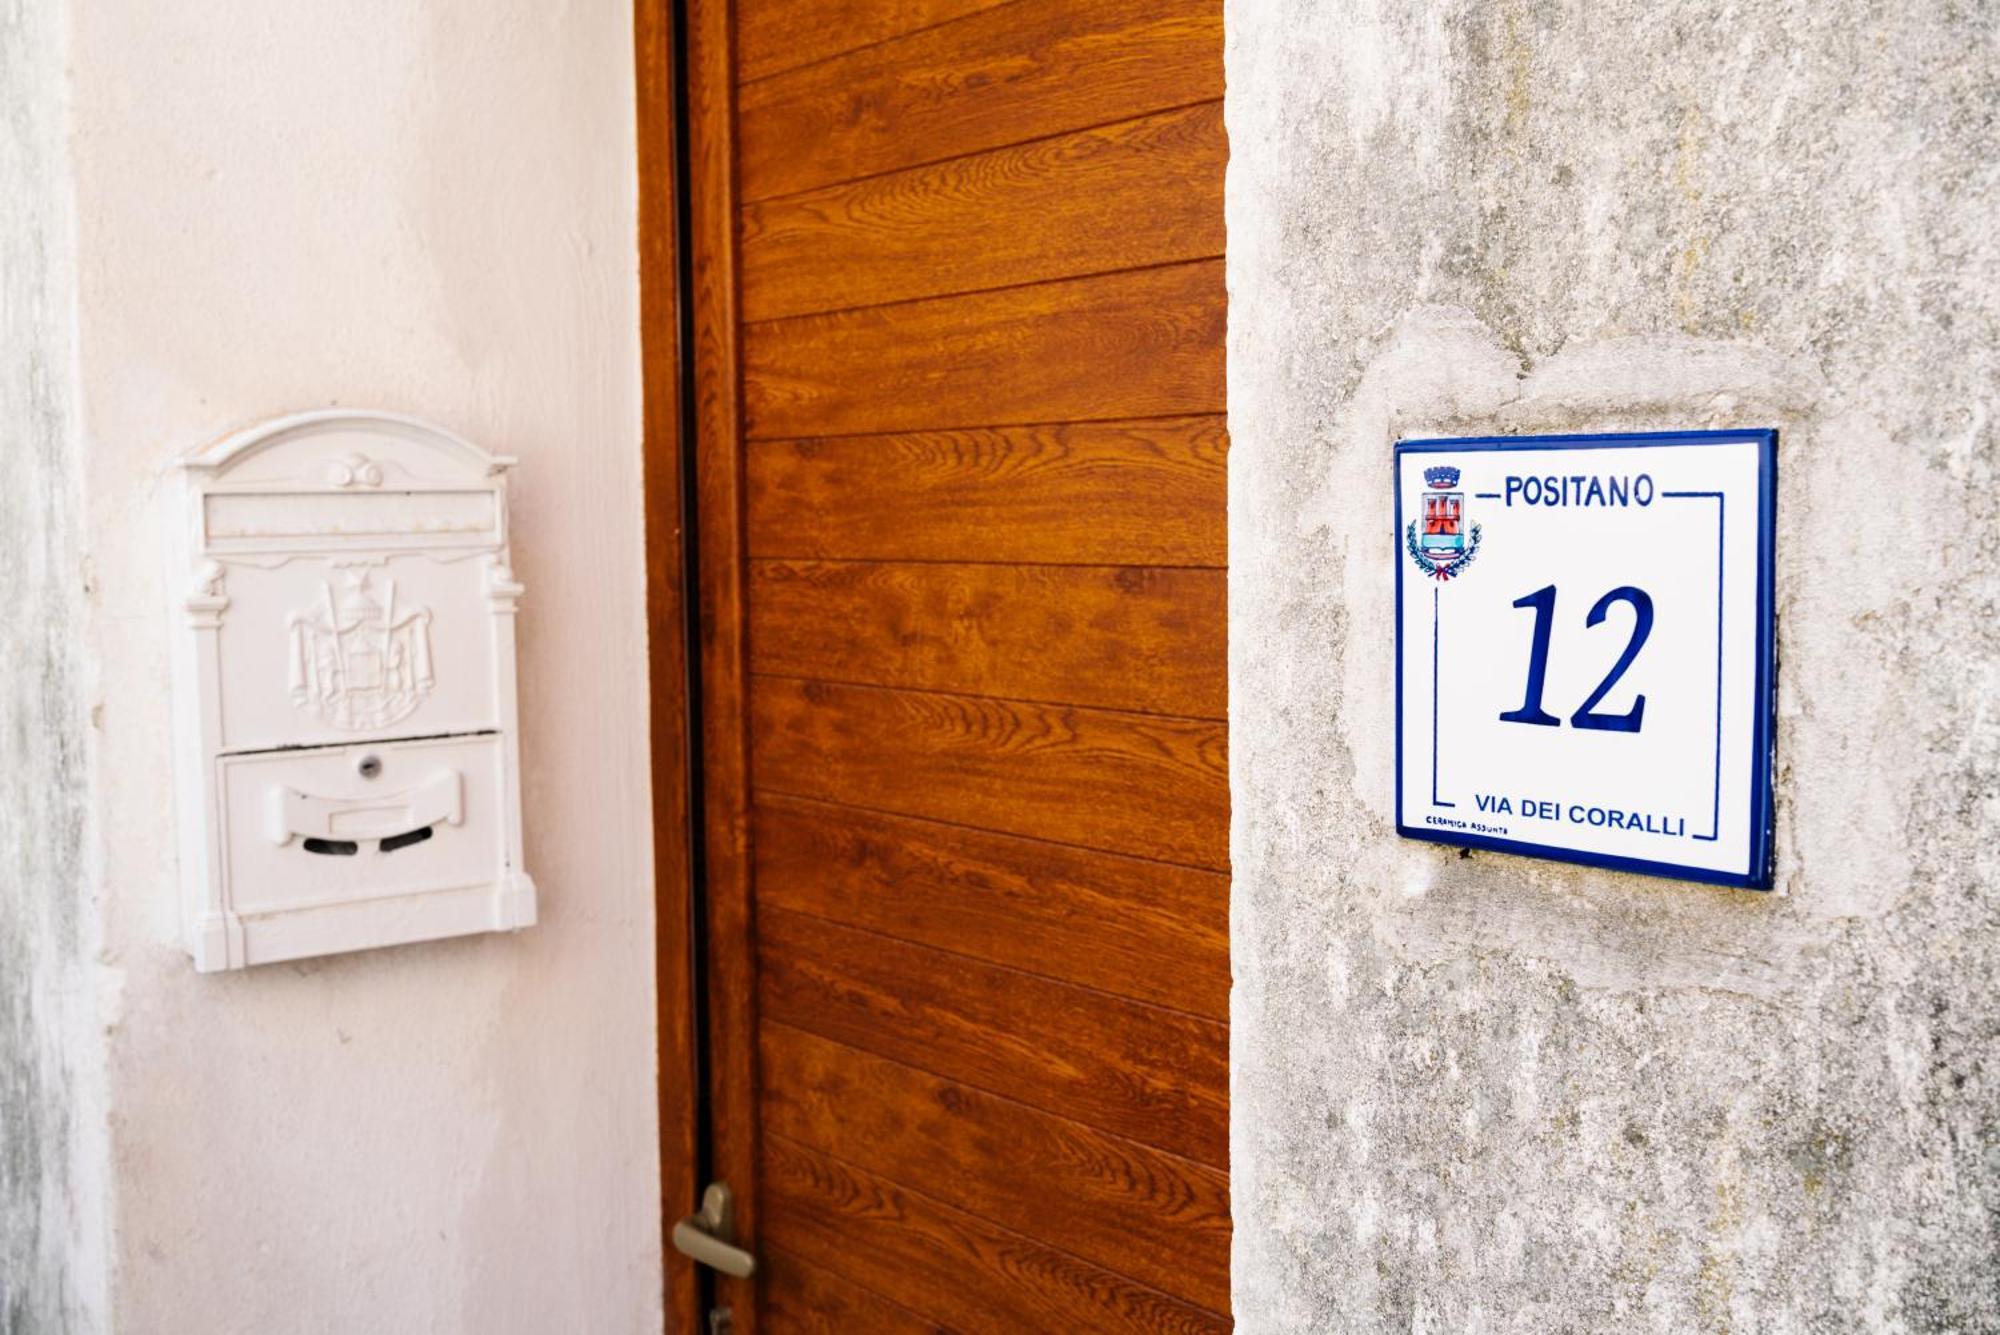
x=958, y=318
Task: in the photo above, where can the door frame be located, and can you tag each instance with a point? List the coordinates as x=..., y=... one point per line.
x=667, y=639
x=695, y=577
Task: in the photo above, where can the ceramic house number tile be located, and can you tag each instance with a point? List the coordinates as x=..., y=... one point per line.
x=1584, y=649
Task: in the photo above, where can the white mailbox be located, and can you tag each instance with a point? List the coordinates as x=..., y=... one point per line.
x=348, y=746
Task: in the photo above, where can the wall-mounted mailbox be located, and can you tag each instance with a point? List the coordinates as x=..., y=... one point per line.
x=348, y=745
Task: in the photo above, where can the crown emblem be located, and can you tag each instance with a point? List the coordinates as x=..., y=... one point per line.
x=1441, y=477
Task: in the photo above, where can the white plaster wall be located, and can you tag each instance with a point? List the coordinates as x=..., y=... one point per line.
x=1475, y=1092
x=425, y=206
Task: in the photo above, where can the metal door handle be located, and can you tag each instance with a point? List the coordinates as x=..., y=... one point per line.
x=704, y=1235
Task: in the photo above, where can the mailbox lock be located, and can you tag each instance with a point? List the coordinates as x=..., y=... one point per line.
x=369, y=766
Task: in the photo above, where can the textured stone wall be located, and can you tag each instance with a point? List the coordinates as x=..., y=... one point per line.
x=1475, y=1092
x=52, y=1136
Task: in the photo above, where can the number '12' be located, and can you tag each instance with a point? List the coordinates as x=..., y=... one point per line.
x=1543, y=601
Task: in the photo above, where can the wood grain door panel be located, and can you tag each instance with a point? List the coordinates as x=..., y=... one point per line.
x=1157, y=932
x=966, y=1271
x=1138, y=343
x=1144, y=493
x=1000, y=76
x=1140, y=784
x=957, y=325
x=1028, y=213
x=1127, y=1067
x=1116, y=637
x=1127, y=1206
x=773, y=38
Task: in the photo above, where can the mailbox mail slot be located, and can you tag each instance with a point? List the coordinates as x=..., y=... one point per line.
x=347, y=724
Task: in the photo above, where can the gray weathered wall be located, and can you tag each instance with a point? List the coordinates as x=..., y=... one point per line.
x=52, y=1138
x=1483, y=1093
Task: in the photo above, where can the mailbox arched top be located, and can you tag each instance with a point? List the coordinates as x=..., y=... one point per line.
x=342, y=444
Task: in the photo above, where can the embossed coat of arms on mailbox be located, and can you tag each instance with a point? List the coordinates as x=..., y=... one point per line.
x=360, y=660
x=349, y=757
